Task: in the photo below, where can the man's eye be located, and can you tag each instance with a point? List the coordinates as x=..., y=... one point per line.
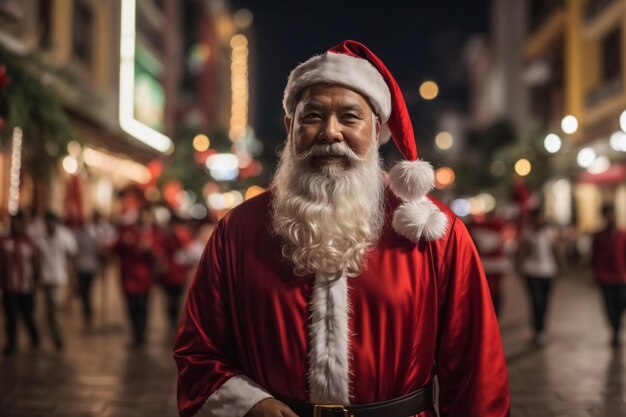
x=351, y=116
x=312, y=116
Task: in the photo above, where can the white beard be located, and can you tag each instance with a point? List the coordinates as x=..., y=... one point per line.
x=330, y=217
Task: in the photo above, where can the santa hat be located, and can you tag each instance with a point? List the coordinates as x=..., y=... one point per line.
x=353, y=65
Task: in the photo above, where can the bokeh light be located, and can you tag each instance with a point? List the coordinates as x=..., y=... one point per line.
x=444, y=140
x=444, y=177
x=523, y=167
x=429, y=90
x=569, y=124
x=585, y=157
x=201, y=143
x=497, y=168
x=552, y=143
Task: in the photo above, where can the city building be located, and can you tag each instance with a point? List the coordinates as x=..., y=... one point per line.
x=115, y=74
x=575, y=51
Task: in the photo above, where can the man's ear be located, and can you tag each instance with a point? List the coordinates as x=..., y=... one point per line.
x=377, y=126
x=287, y=121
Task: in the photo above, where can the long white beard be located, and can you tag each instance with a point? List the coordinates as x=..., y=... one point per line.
x=328, y=217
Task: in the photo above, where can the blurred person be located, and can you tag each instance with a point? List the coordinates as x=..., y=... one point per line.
x=488, y=234
x=137, y=249
x=91, y=242
x=103, y=229
x=35, y=224
x=175, y=247
x=539, y=261
x=608, y=262
x=18, y=272
x=58, y=250
x=331, y=290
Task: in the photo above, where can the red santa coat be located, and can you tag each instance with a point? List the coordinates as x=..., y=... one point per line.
x=137, y=250
x=608, y=257
x=252, y=329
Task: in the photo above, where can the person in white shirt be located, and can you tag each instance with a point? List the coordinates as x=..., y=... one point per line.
x=539, y=261
x=56, y=245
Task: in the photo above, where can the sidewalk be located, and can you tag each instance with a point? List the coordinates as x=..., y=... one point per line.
x=97, y=374
x=576, y=374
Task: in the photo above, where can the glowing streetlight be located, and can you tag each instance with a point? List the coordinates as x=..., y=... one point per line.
x=444, y=140
x=552, y=143
x=429, y=90
x=523, y=167
x=585, y=157
x=70, y=165
x=569, y=124
x=444, y=177
x=618, y=141
x=243, y=18
x=201, y=143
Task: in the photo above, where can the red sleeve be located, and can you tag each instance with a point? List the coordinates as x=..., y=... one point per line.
x=203, y=350
x=470, y=362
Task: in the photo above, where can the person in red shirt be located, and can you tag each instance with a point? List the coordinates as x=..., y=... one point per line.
x=135, y=249
x=608, y=261
x=174, y=246
x=18, y=267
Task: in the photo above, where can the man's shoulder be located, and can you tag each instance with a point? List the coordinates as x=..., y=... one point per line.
x=252, y=211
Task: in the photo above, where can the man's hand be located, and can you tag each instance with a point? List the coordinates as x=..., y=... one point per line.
x=270, y=407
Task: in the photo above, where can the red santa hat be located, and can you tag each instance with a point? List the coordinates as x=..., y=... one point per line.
x=353, y=65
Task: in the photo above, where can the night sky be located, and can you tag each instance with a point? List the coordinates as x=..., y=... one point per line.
x=417, y=41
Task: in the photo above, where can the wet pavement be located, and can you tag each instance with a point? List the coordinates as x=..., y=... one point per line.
x=577, y=373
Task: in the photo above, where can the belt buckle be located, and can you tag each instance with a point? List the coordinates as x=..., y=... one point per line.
x=320, y=409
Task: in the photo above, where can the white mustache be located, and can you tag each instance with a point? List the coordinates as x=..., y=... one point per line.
x=334, y=149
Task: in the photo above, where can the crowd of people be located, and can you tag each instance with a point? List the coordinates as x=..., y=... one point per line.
x=535, y=250
x=59, y=260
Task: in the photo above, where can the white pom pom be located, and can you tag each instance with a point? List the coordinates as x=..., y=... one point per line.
x=419, y=218
x=411, y=180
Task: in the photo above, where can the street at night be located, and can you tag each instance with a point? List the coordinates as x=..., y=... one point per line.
x=577, y=373
x=234, y=208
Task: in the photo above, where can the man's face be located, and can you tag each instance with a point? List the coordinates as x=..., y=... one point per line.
x=328, y=114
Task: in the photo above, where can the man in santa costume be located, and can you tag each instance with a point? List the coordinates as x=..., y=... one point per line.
x=333, y=294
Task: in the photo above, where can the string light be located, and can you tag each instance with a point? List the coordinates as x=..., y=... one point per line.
x=16, y=164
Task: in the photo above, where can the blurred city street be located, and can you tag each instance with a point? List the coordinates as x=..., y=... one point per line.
x=576, y=374
x=131, y=130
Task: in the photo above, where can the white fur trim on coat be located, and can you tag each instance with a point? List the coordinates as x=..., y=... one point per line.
x=233, y=399
x=334, y=68
x=329, y=379
x=411, y=180
x=419, y=219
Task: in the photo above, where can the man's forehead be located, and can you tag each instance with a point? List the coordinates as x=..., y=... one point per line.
x=321, y=94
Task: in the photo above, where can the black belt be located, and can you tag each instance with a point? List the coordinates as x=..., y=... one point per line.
x=405, y=406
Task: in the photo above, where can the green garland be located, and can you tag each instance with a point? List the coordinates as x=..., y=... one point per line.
x=27, y=103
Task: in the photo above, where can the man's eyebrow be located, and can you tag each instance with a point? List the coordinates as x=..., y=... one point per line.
x=354, y=107
x=317, y=105
x=312, y=104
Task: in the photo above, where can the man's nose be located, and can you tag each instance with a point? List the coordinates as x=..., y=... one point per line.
x=331, y=131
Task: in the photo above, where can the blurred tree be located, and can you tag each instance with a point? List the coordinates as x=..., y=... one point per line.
x=26, y=103
x=473, y=171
